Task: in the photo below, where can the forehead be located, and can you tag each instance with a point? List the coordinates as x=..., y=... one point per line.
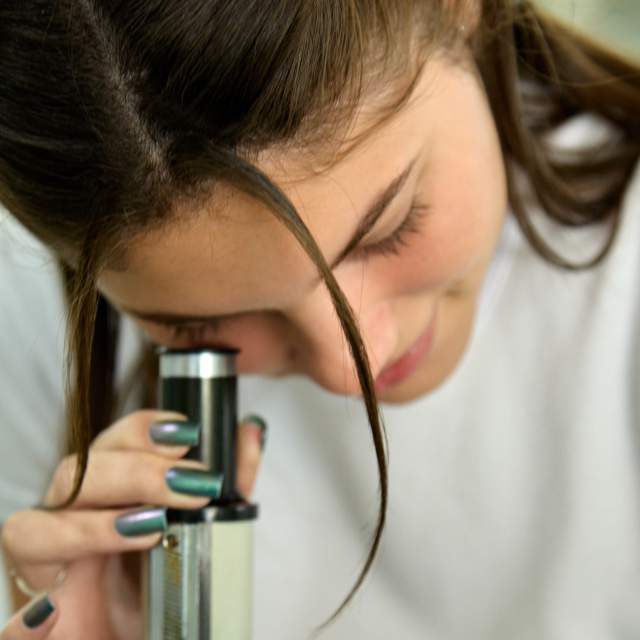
x=233, y=253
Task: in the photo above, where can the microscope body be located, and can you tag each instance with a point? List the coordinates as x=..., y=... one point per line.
x=198, y=583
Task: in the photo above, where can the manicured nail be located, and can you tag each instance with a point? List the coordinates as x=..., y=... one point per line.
x=141, y=522
x=38, y=612
x=194, y=482
x=175, y=432
x=259, y=422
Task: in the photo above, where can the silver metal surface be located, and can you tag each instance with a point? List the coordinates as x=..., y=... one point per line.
x=200, y=582
x=153, y=590
x=205, y=532
x=201, y=364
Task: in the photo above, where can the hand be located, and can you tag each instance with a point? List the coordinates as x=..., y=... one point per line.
x=126, y=470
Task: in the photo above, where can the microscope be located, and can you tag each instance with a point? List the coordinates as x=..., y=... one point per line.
x=198, y=583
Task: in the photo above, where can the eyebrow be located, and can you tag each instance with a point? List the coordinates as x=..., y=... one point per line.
x=376, y=208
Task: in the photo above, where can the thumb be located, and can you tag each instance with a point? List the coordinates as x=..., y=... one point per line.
x=251, y=437
x=33, y=622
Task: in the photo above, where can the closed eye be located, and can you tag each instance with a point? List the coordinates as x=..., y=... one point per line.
x=392, y=244
x=194, y=332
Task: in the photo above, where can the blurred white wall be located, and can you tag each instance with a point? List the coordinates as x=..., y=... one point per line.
x=615, y=21
x=4, y=595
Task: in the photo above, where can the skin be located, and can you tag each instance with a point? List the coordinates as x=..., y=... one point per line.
x=236, y=258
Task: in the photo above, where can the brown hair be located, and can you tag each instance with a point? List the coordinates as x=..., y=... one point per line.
x=111, y=114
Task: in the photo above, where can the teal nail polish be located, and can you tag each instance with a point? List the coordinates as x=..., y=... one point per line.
x=175, y=432
x=141, y=522
x=194, y=482
x=38, y=612
x=258, y=421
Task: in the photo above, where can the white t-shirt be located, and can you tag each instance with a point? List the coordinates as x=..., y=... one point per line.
x=514, y=507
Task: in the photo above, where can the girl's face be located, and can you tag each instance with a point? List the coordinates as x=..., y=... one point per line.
x=437, y=167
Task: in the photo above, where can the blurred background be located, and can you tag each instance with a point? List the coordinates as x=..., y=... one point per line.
x=614, y=21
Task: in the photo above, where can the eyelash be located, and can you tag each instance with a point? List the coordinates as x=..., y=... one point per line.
x=392, y=243
x=388, y=246
x=194, y=333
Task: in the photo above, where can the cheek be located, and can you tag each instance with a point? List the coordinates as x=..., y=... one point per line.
x=456, y=241
x=468, y=204
x=261, y=341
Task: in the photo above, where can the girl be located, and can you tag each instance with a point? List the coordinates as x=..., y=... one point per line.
x=428, y=205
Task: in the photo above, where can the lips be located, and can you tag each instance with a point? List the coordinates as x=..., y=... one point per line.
x=409, y=361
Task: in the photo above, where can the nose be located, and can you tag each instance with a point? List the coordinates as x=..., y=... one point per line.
x=322, y=351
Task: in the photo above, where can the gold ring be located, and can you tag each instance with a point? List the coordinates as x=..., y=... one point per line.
x=24, y=587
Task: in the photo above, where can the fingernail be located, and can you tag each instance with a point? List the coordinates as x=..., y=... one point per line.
x=38, y=612
x=175, y=432
x=259, y=422
x=141, y=522
x=194, y=482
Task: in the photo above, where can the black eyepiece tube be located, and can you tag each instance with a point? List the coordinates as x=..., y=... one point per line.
x=203, y=385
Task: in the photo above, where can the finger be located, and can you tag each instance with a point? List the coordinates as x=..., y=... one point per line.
x=165, y=433
x=251, y=436
x=40, y=542
x=33, y=622
x=121, y=478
